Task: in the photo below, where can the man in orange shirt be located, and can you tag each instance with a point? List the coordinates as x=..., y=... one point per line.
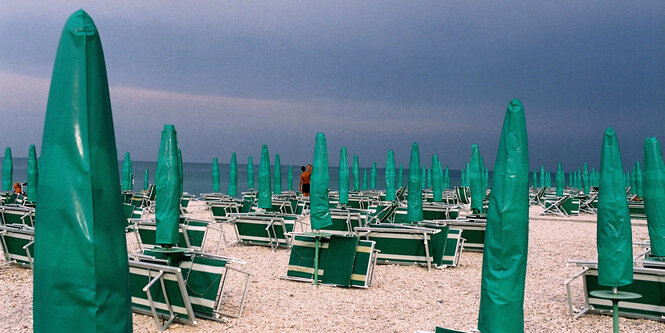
x=305, y=179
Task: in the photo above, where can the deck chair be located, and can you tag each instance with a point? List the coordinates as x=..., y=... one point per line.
x=438, y=211
x=555, y=206
x=648, y=282
x=264, y=229
x=382, y=211
x=359, y=201
x=17, y=215
x=18, y=244
x=474, y=233
x=636, y=209
x=280, y=206
x=589, y=204
x=192, y=233
x=181, y=292
x=537, y=197
x=344, y=221
x=454, y=243
x=407, y=245
x=347, y=260
x=463, y=195
x=222, y=210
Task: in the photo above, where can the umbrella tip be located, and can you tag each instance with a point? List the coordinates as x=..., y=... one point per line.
x=80, y=23
x=515, y=105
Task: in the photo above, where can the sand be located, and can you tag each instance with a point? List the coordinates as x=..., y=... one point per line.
x=401, y=299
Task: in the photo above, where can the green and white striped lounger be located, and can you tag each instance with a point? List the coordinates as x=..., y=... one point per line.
x=264, y=229
x=344, y=221
x=18, y=244
x=196, y=231
x=301, y=261
x=17, y=215
x=221, y=210
x=636, y=209
x=474, y=234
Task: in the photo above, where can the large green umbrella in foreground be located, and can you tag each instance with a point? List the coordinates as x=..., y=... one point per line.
x=81, y=273
x=436, y=179
x=7, y=170
x=637, y=171
x=33, y=172
x=215, y=175
x=250, y=173
x=390, y=176
x=146, y=180
x=343, y=177
x=319, y=208
x=289, y=179
x=506, y=237
x=127, y=173
x=356, y=173
x=400, y=174
x=167, y=182
x=560, y=181
x=414, y=199
x=372, y=178
x=614, y=237
x=364, y=179
x=654, y=195
x=265, y=188
x=233, y=176
x=475, y=182
x=277, y=177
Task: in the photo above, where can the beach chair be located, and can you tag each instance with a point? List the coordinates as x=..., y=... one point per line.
x=454, y=243
x=14, y=215
x=359, y=201
x=264, y=229
x=537, y=197
x=222, y=210
x=636, y=209
x=344, y=261
x=648, y=282
x=182, y=290
x=344, y=221
x=473, y=231
x=589, y=204
x=18, y=244
x=280, y=206
x=554, y=206
x=463, y=195
x=382, y=211
x=407, y=245
x=192, y=233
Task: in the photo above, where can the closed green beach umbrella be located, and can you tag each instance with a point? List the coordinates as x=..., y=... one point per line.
x=467, y=179
x=372, y=178
x=277, y=178
x=436, y=179
x=414, y=208
x=33, y=173
x=181, y=174
x=578, y=176
x=250, y=173
x=126, y=173
x=463, y=178
x=400, y=175
x=390, y=176
x=233, y=176
x=146, y=180
x=446, y=179
x=215, y=175
x=614, y=237
x=265, y=188
x=319, y=207
x=167, y=182
x=356, y=173
x=423, y=178
x=506, y=237
x=654, y=195
x=7, y=171
x=542, y=176
x=633, y=186
x=289, y=179
x=81, y=273
x=585, y=179
x=560, y=181
x=637, y=171
x=364, y=179
x=343, y=177
x=475, y=181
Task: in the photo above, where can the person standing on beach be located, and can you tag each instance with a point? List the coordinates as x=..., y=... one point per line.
x=305, y=179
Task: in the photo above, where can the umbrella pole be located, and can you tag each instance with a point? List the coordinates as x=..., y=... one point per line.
x=615, y=311
x=316, y=257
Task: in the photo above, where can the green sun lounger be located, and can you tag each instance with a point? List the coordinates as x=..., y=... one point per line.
x=636, y=209
x=18, y=244
x=343, y=260
x=463, y=195
x=473, y=233
x=17, y=215
x=344, y=221
x=192, y=233
x=222, y=210
x=264, y=229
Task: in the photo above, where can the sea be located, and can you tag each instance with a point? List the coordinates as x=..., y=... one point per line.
x=197, y=177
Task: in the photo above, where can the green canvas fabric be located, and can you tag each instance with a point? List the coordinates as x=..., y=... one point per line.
x=467, y=181
x=506, y=237
x=289, y=179
x=167, y=178
x=33, y=173
x=356, y=173
x=265, y=188
x=277, y=176
x=614, y=237
x=585, y=179
x=637, y=171
x=486, y=177
x=400, y=174
x=423, y=177
x=343, y=177
x=475, y=180
x=482, y=174
x=233, y=176
x=414, y=212
x=654, y=195
x=365, y=179
x=542, y=176
x=7, y=171
x=181, y=175
x=446, y=179
x=429, y=179
x=320, y=181
x=146, y=180
x=343, y=250
x=390, y=176
x=126, y=173
x=372, y=177
x=250, y=173
x=215, y=175
x=578, y=179
x=436, y=180
x=81, y=274
x=560, y=181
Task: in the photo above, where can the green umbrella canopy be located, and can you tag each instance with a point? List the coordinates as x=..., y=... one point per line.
x=233, y=176
x=343, y=177
x=548, y=177
x=126, y=177
x=467, y=180
x=356, y=173
x=506, y=237
x=637, y=171
x=250, y=173
x=475, y=180
x=319, y=206
x=654, y=195
x=560, y=181
x=578, y=177
x=33, y=174
x=585, y=178
x=289, y=179
x=436, y=179
x=400, y=173
x=463, y=178
x=442, y=182
x=542, y=176
x=614, y=238
x=265, y=188
x=423, y=177
x=277, y=177
x=414, y=208
x=372, y=178
x=181, y=174
x=81, y=273
x=364, y=179
x=390, y=176
x=146, y=180
x=633, y=186
x=167, y=181
x=215, y=175
x=482, y=173
x=446, y=179
x=487, y=178
x=7, y=170
x=429, y=178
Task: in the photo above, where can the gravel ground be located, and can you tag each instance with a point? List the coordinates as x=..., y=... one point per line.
x=401, y=299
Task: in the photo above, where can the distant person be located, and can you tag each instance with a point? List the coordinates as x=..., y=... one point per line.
x=17, y=188
x=305, y=179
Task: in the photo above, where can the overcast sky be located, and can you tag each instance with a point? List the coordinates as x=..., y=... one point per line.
x=372, y=75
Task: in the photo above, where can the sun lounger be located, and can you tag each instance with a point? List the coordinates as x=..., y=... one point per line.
x=636, y=209
x=264, y=229
x=222, y=210
x=17, y=215
x=192, y=233
x=472, y=231
x=18, y=244
x=344, y=221
x=463, y=195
